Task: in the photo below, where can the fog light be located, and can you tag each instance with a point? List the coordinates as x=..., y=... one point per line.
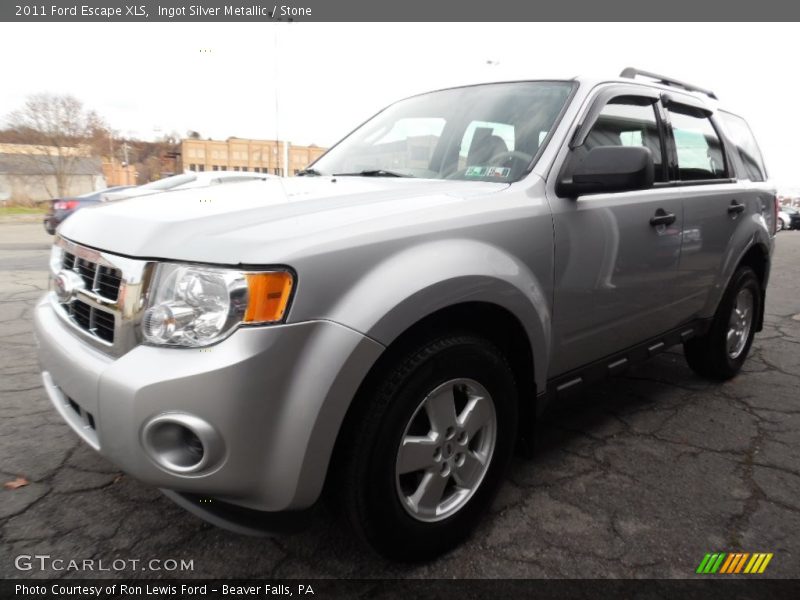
x=182, y=443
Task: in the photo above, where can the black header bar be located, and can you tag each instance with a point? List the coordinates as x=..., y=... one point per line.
x=399, y=10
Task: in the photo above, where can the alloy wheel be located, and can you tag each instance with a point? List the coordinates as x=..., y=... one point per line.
x=446, y=450
x=740, y=323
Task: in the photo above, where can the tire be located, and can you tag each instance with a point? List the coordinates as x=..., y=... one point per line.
x=781, y=225
x=715, y=355
x=379, y=487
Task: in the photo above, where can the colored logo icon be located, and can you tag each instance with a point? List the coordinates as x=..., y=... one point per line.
x=733, y=563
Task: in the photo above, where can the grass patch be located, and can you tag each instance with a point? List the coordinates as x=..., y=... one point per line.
x=22, y=210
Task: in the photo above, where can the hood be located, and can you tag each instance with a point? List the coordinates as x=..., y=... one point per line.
x=269, y=221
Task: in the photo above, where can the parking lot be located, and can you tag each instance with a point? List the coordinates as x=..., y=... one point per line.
x=639, y=477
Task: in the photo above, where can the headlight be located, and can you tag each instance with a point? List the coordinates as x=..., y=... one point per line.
x=56, y=258
x=196, y=306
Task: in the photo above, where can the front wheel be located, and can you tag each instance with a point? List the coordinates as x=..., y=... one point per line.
x=781, y=225
x=720, y=353
x=428, y=447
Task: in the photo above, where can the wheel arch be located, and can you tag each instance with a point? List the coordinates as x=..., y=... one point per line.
x=757, y=257
x=484, y=319
x=491, y=321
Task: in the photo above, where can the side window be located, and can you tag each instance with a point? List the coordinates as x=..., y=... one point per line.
x=739, y=133
x=625, y=123
x=700, y=154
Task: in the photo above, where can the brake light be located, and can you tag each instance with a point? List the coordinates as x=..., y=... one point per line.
x=65, y=204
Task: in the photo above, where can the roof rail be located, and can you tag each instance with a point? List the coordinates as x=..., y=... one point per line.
x=631, y=73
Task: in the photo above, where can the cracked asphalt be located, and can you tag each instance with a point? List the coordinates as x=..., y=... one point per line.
x=637, y=477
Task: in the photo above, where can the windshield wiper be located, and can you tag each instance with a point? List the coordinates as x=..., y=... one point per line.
x=308, y=171
x=372, y=173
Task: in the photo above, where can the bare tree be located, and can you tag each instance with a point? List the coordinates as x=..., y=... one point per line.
x=61, y=132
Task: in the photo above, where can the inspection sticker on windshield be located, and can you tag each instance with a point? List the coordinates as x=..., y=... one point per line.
x=487, y=172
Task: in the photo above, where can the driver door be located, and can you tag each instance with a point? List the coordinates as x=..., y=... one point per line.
x=615, y=272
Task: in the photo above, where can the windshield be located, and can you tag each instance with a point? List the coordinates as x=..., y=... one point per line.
x=486, y=133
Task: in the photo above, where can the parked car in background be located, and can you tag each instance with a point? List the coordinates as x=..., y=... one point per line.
x=61, y=208
x=788, y=218
x=187, y=180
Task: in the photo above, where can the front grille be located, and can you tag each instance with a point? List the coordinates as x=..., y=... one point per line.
x=108, y=282
x=106, y=296
x=102, y=280
x=94, y=320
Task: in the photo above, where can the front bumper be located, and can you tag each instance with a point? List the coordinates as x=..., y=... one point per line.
x=275, y=395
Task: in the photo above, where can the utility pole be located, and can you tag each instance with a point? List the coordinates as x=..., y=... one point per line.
x=277, y=104
x=285, y=158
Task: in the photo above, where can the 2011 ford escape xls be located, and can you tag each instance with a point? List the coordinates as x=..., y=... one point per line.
x=391, y=324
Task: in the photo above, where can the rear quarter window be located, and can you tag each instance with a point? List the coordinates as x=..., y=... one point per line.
x=742, y=137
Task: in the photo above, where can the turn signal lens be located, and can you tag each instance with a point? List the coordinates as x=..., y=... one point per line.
x=268, y=296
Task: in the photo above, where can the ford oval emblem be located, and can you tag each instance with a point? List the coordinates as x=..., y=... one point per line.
x=67, y=284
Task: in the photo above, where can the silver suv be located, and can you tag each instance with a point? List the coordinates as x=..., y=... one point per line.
x=390, y=325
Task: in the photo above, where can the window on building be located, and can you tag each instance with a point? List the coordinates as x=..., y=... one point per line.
x=296, y=171
x=215, y=168
x=245, y=169
x=201, y=168
x=193, y=167
x=235, y=168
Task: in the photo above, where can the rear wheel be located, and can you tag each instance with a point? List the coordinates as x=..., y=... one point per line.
x=720, y=353
x=428, y=447
x=781, y=224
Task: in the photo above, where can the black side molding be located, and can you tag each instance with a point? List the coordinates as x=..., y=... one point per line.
x=569, y=383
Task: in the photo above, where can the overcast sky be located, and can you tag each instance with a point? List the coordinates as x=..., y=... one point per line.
x=220, y=79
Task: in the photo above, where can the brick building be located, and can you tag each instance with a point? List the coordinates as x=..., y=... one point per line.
x=237, y=154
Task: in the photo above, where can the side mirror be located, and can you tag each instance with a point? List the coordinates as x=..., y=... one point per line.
x=608, y=169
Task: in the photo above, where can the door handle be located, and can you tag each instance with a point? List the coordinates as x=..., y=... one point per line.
x=662, y=217
x=735, y=208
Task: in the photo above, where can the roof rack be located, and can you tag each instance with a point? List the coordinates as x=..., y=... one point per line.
x=631, y=73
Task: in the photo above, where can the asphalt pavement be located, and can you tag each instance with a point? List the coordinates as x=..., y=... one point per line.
x=638, y=477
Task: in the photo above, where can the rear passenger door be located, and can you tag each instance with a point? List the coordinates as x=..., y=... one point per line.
x=713, y=203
